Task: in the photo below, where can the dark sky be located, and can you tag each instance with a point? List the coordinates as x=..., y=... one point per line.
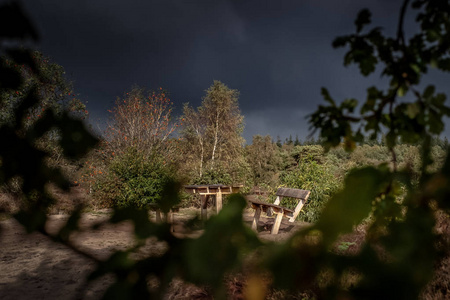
x=278, y=54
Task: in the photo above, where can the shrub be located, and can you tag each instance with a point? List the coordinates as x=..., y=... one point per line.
x=141, y=178
x=214, y=176
x=310, y=175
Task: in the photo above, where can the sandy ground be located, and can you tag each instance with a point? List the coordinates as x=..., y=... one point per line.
x=34, y=267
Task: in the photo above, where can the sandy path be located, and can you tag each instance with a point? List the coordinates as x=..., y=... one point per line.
x=33, y=267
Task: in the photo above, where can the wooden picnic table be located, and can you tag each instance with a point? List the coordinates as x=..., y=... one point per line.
x=207, y=190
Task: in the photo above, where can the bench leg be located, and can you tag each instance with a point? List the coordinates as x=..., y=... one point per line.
x=276, y=225
x=256, y=218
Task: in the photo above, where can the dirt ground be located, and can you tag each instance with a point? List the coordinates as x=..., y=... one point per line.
x=34, y=267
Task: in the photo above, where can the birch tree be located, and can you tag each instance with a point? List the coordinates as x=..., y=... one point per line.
x=194, y=137
x=213, y=132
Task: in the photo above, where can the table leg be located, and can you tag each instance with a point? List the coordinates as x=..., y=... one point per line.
x=204, y=206
x=218, y=202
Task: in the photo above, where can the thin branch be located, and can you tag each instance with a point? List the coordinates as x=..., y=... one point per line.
x=400, y=32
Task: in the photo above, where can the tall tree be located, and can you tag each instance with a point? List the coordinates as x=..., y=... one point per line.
x=143, y=120
x=194, y=135
x=213, y=132
x=264, y=160
x=224, y=121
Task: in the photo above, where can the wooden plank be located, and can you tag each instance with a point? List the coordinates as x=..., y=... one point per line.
x=276, y=225
x=212, y=189
x=256, y=218
x=277, y=200
x=297, y=210
x=265, y=206
x=218, y=202
x=293, y=193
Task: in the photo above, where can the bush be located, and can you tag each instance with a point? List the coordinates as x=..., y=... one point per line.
x=140, y=178
x=215, y=176
x=310, y=175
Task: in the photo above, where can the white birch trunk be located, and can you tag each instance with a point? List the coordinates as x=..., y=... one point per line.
x=216, y=134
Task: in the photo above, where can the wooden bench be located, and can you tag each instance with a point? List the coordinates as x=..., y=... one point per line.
x=280, y=211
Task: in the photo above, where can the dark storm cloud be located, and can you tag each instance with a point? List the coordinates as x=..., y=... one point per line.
x=278, y=54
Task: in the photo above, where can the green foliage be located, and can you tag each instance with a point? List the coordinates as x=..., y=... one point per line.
x=404, y=63
x=312, y=176
x=141, y=178
x=216, y=176
x=264, y=160
x=402, y=225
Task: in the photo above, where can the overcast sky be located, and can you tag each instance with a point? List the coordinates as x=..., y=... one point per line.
x=278, y=54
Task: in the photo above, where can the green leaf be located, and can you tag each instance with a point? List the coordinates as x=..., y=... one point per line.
x=444, y=64
x=327, y=97
x=362, y=19
x=429, y=91
x=412, y=110
x=367, y=64
x=349, y=104
x=402, y=90
x=340, y=41
x=391, y=139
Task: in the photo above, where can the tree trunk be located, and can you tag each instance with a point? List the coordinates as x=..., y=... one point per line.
x=216, y=134
x=201, y=158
